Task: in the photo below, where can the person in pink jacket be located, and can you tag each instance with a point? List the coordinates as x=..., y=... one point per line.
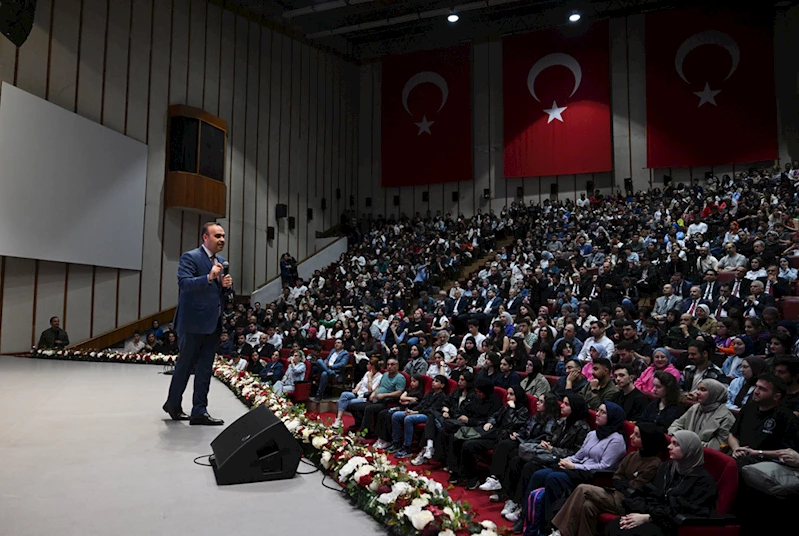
x=661, y=360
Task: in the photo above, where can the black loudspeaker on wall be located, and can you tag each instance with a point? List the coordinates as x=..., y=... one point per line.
x=270, y=233
x=310, y=214
x=628, y=185
x=425, y=196
x=281, y=211
x=520, y=191
x=553, y=188
x=396, y=200
x=292, y=223
x=487, y=194
x=338, y=193
x=324, y=203
x=368, y=201
x=257, y=447
x=589, y=187
x=16, y=19
x=456, y=196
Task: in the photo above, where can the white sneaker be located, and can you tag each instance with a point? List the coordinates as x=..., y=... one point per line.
x=510, y=506
x=555, y=532
x=421, y=459
x=491, y=484
x=381, y=444
x=338, y=424
x=494, y=497
x=513, y=517
x=428, y=452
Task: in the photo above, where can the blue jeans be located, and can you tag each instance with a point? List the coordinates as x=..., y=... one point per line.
x=398, y=420
x=324, y=373
x=628, y=305
x=413, y=340
x=345, y=399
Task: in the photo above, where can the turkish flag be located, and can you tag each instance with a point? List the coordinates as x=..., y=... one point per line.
x=427, y=117
x=710, y=96
x=556, y=98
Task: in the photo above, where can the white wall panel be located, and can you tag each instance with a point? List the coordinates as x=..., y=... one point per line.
x=77, y=319
x=116, y=66
x=17, y=304
x=248, y=282
x=49, y=294
x=105, y=300
x=197, y=52
x=92, y=59
x=64, y=53
x=34, y=56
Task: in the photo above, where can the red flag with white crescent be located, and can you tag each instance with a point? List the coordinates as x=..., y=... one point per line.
x=427, y=117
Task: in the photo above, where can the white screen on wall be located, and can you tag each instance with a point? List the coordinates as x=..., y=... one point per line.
x=71, y=190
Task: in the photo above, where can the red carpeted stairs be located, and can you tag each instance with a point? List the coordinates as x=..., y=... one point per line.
x=483, y=508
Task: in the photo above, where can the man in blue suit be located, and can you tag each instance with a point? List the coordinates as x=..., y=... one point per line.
x=332, y=365
x=204, y=290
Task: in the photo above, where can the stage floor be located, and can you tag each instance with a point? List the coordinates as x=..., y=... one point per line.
x=85, y=449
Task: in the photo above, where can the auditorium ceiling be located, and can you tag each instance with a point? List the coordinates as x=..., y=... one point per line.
x=365, y=29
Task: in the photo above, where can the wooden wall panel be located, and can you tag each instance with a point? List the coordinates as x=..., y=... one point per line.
x=197, y=52
x=248, y=205
x=34, y=56
x=313, y=163
x=77, y=319
x=128, y=302
x=49, y=295
x=64, y=54
x=105, y=301
x=115, y=77
x=275, y=121
x=262, y=171
x=212, y=50
x=92, y=59
x=238, y=142
x=16, y=328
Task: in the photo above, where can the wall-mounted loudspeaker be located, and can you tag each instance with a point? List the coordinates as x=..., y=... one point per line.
x=487, y=194
x=16, y=20
x=292, y=222
x=589, y=187
x=396, y=200
x=338, y=193
x=520, y=191
x=352, y=200
x=324, y=203
x=310, y=214
x=553, y=188
x=426, y=196
x=456, y=196
x=257, y=447
x=270, y=233
x=628, y=185
x=368, y=201
x=281, y=211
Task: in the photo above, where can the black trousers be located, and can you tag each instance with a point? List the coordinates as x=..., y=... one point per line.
x=383, y=425
x=504, y=451
x=518, y=476
x=470, y=451
x=365, y=414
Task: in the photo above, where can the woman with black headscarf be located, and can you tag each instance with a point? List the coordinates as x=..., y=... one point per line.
x=579, y=515
x=741, y=388
x=682, y=487
x=602, y=450
x=567, y=435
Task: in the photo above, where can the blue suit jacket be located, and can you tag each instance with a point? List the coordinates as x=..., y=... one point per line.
x=199, y=302
x=342, y=360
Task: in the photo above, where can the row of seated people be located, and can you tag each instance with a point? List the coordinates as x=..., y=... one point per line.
x=544, y=446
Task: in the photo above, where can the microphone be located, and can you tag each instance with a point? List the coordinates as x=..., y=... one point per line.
x=225, y=268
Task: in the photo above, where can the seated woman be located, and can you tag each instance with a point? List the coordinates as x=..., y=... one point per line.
x=433, y=401
x=440, y=322
x=661, y=361
x=537, y=428
x=170, y=347
x=549, y=363
x=725, y=333
x=416, y=327
x=535, y=383
x=568, y=434
x=563, y=352
x=458, y=408
x=682, y=487
x=508, y=419
x=497, y=339
x=741, y=388
x=256, y=364
x=491, y=368
x=603, y=449
x=438, y=365
x=578, y=517
x=273, y=370
x=742, y=347
x=409, y=399
x=667, y=406
x=507, y=377
x=152, y=343
x=293, y=336
x=294, y=373
x=573, y=381
x=470, y=351
x=517, y=353
x=710, y=419
x=370, y=382
x=705, y=322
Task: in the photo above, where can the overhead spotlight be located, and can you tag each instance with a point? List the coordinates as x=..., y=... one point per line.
x=453, y=17
x=574, y=16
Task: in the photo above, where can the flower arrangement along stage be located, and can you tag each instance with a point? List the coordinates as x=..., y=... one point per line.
x=404, y=501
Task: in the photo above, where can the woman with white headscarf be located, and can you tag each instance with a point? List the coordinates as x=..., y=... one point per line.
x=705, y=322
x=682, y=487
x=710, y=419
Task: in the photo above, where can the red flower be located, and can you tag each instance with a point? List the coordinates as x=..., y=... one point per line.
x=431, y=529
x=383, y=489
x=401, y=503
x=365, y=480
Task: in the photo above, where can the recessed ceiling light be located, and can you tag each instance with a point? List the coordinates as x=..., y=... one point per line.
x=453, y=17
x=574, y=16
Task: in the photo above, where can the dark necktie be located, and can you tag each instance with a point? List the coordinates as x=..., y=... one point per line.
x=709, y=291
x=736, y=289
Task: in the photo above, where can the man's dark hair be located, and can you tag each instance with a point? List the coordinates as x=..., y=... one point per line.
x=52, y=318
x=625, y=366
x=791, y=364
x=603, y=362
x=207, y=226
x=698, y=344
x=624, y=345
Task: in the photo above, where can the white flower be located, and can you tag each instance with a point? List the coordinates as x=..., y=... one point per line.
x=374, y=485
x=421, y=502
x=351, y=465
x=446, y=532
x=421, y=519
x=362, y=471
x=486, y=532
x=490, y=525
x=326, y=457
x=318, y=442
x=434, y=487
x=306, y=433
x=450, y=513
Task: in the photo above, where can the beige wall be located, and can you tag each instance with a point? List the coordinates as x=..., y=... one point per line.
x=628, y=107
x=290, y=108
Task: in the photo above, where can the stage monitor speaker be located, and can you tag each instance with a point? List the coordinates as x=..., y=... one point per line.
x=487, y=193
x=628, y=185
x=426, y=196
x=292, y=223
x=16, y=19
x=589, y=187
x=456, y=196
x=257, y=447
x=520, y=191
x=281, y=211
x=310, y=214
x=368, y=201
x=270, y=233
x=324, y=203
x=396, y=200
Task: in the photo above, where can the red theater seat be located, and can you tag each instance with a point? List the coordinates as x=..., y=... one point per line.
x=451, y=387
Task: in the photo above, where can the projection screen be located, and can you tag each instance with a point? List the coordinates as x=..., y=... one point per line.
x=71, y=190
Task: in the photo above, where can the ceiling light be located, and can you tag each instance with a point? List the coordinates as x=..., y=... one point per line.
x=574, y=16
x=453, y=17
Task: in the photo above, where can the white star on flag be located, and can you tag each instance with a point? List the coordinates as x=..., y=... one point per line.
x=424, y=126
x=554, y=112
x=707, y=95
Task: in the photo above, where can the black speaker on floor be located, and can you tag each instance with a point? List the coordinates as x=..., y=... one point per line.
x=281, y=210
x=257, y=447
x=16, y=19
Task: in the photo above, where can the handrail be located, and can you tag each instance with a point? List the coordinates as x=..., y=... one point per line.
x=122, y=333
x=302, y=261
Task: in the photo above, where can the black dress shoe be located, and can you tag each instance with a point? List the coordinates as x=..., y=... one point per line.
x=176, y=414
x=206, y=420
